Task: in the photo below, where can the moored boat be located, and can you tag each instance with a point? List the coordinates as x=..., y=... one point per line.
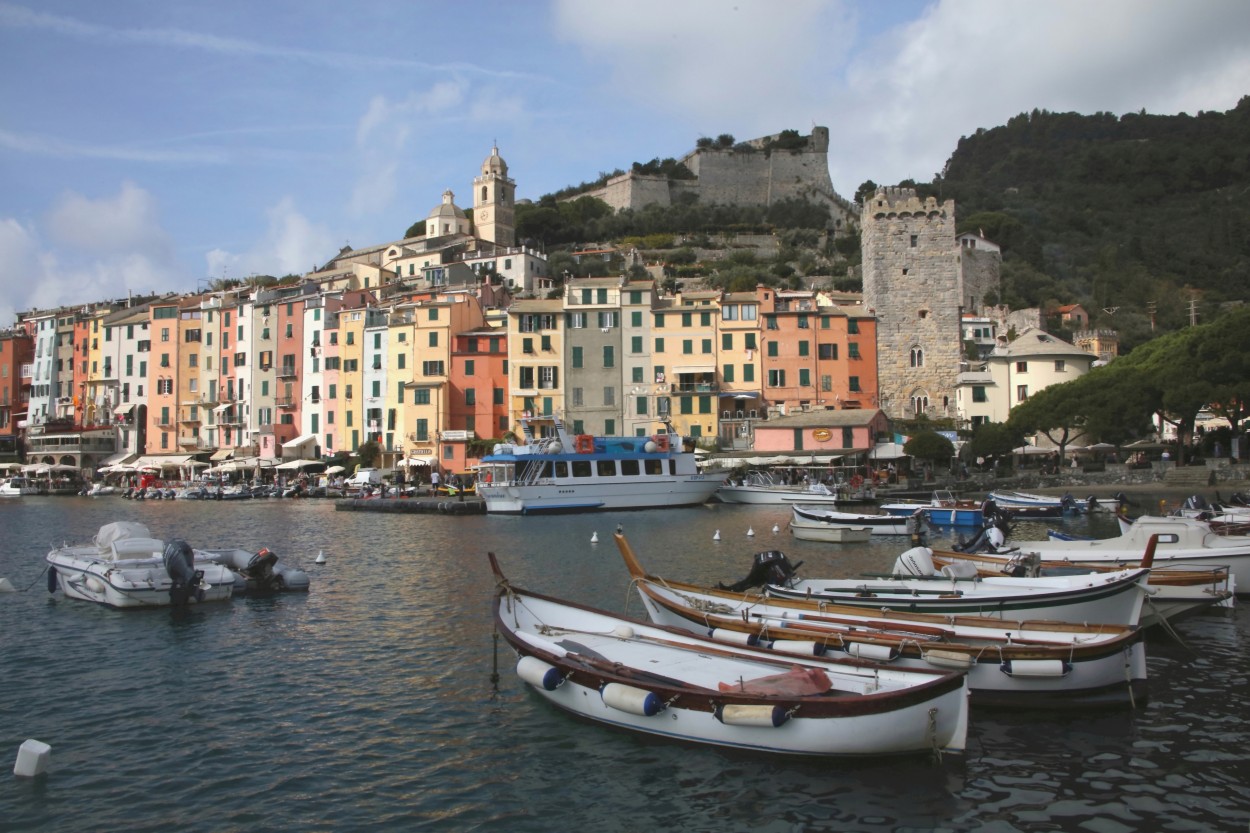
x=1172, y=591
x=670, y=683
x=1020, y=664
x=807, y=522
x=124, y=567
x=761, y=488
x=555, y=471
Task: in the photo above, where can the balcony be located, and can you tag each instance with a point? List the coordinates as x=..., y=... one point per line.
x=286, y=371
x=694, y=387
x=286, y=401
x=192, y=418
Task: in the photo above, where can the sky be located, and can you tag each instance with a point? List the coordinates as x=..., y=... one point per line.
x=154, y=146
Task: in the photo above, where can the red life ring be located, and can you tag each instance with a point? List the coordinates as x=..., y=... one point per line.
x=584, y=444
x=661, y=441
x=856, y=482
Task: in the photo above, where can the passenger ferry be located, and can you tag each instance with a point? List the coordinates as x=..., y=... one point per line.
x=554, y=471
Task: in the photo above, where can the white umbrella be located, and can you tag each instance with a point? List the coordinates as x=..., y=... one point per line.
x=1031, y=449
x=335, y=470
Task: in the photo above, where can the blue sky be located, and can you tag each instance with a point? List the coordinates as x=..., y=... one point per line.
x=151, y=146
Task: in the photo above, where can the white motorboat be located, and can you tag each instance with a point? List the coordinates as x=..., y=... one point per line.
x=781, y=698
x=828, y=533
x=125, y=567
x=807, y=523
x=101, y=489
x=916, y=585
x=1184, y=541
x=560, y=472
x=1028, y=664
x=761, y=488
x=19, y=486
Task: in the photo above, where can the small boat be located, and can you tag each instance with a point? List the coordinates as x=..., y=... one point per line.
x=125, y=567
x=19, y=486
x=1183, y=541
x=554, y=471
x=760, y=487
x=942, y=509
x=807, y=523
x=1064, y=505
x=258, y=572
x=774, y=697
x=1172, y=590
x=916, y=585
x=805, y=530
x=1018, y=664
x=101, y=489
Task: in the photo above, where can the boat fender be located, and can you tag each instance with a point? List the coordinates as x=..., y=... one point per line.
x=763, y=716
x=94, y=584
x=51, y=579
x=538, y=673
x=736, y=637
x=623, y=632
x=868, y=650
x=633, y=700
x=1036, y=668
x=917, y=561
x=805, y=647
x=948, y=659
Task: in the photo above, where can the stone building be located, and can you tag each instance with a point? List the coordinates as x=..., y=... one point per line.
x=913, y=285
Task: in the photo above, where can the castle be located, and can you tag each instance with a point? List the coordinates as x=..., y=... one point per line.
x=756, y=172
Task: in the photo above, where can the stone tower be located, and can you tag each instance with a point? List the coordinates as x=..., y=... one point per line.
x=912, y=284
x=494, y=202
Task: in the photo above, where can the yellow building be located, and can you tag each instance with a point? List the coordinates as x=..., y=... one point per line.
x=536, y=358
x=684, y=335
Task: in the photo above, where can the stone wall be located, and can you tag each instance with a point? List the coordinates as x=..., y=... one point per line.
x=981, y=273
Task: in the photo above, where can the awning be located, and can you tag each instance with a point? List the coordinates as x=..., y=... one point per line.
x=302, y=439
x=696, y=368
x=158, y=462
x=124, y=408
x=222, y=454
x=731, y=394
x=414, y=462
x=121, y=458
x=224, y=407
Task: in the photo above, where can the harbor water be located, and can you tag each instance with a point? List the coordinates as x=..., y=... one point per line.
x=381, y=700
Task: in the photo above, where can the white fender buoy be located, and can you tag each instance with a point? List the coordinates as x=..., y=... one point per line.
x=32, y=758
x=750, y=532
x=776, y=529
x=321, y=557
x=6, y=586
x=594, y=537
x=716, y=536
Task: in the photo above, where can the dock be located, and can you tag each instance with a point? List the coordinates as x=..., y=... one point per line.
x=424, y=505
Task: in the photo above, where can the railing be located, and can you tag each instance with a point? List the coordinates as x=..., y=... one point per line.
x=287, y=371
x=286, y=401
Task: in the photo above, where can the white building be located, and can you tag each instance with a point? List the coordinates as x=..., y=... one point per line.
x=1015, y=371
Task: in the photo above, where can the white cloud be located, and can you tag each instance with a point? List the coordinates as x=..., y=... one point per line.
x=292, y=244
x=751, y=64
x=86, y=250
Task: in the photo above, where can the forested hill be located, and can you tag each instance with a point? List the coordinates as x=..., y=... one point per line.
x=1121, y=214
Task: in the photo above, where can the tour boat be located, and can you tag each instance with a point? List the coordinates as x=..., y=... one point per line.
x=555, y=471
x=779, y=697
x=1020, y=664
x=760, y=487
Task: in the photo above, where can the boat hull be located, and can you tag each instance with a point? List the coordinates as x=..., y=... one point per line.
x=134, y=583
x=780, y=496
x=603, y=495
x=828, y=534
x=810, y=522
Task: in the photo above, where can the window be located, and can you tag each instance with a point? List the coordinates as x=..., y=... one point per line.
x=640, y=405
x=525, y=377
x=1059, y=366
x=636, y=375
x=527, y=345
x=402, y=360
x=854, y=384
x=805, y=378
x=577, y=357
x=852, y=350
x=547, y=378
x=803, y=323
x=917, y=357
x=432, y=368
x=852, y=326
x=804, y=348
x=434, y=339
x=776, y=378
x=687, y=346
x=578, y=399
x=1022, y=367
x=748, y=373
x=727, y=373
x=609, y=396
x=750, y=341
x=609, y=356
x=607, y=319
x=827, y=351
x=546, y=344
x=729, y=312
x=659, y=345
x=772, y=348
x=1022, y=392
x=978, y=394
x=826, y=382
x=707, y=346
x=914, y=239
x=577, y=320
x=770, y=322
x=635, y=344
x=470, y=396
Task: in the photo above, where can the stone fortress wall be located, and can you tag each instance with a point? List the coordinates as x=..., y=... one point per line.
x=740, y=177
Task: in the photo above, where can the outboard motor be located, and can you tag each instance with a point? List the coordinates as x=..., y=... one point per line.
x=768, y=567
x=1196, y=502
x=1091, y=504
x=259, y=570
x=1067, y=504
x=916, y=528
x=1024, y=565
x=187, y=582
x=917, y=561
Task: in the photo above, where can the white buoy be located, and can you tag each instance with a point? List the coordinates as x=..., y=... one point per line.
x=594, y=537
x=32, y=758
x=716, y=537
x=321, y=557
x=776, y=529
x=750, y=532
x=6, y=586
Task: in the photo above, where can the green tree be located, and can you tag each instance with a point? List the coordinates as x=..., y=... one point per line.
x=369, y=452
x=930, y=446
x=1055, y=411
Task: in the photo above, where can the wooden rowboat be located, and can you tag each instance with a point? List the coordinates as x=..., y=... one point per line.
x=669, y=683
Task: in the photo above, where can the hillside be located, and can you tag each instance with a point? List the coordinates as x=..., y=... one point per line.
x=1121, y=214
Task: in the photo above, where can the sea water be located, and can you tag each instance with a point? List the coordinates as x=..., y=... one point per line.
x=382, y=700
